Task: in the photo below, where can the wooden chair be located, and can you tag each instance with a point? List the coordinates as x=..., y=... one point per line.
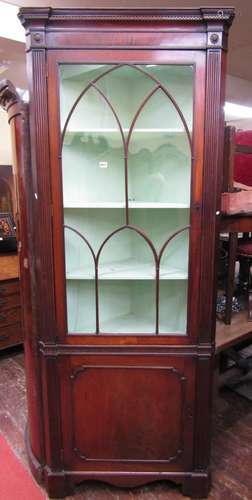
x=237, y=249
x=244, y=254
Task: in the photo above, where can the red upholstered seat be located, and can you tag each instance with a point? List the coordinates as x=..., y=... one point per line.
x=245, y=248
x=243, y=162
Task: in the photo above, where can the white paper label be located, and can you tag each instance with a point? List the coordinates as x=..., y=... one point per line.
x=103, y=164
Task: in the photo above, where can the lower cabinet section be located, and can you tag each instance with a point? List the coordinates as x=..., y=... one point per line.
x=124, y=415
x=136, y=414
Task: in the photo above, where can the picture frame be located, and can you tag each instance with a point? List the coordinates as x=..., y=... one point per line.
x=7, y=232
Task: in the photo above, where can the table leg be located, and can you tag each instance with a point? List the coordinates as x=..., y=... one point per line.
x=232, y=248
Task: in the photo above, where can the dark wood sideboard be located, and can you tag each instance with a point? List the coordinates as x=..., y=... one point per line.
x=10, y=304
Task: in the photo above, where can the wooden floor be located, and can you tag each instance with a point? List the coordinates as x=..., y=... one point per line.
x=231, y=451
x=229, y=335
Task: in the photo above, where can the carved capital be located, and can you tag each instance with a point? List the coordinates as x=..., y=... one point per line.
x=37, y=16
x=8, y=95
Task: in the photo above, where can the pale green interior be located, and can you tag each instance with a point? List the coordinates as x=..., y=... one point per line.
x=159, y=177
x=126, y=250
x=127, y=307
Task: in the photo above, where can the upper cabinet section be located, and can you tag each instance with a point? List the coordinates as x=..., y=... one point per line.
x=126, y=107
x=127, y=127
x=165, y=28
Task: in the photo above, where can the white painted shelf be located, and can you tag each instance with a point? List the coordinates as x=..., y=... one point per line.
x=128, y=270
x=130, y=323
x=133, y=324
x=121, y=204
x=125, y=130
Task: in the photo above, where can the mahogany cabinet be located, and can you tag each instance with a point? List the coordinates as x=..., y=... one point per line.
x=126, y=129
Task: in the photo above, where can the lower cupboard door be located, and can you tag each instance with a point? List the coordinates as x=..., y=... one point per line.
x=129, y=413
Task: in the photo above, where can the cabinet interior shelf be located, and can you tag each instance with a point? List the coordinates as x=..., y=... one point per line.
x=128, y=270
x=125, y=130
x=121, y=204
x=133, y=324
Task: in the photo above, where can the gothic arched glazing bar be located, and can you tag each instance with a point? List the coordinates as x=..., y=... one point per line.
x=146, y=99
x=141, y=234
x=82, y=237
x=157, y=260
x=170, y=97
x=126, y=142
x=166, y=243
x=114, y=113
x=125, y=150
x=164, y=246
x=159, y=85
x=132, y=228
x=141, y=70
x=83, y=92
x=95, y=268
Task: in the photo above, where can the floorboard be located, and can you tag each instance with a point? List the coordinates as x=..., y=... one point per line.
x=231, y=448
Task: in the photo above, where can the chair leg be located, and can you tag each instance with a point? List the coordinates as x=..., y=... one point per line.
x=232, y=248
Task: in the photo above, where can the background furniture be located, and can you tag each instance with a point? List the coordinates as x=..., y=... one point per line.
x=234, y=334
x=237, y=222
x=11, y=332
x=18, y=117
x=244, y=254
x=123, y=233
x=10, y=310
x=19, y=126
x=8, y=241
x=7, y=193
x=239, y=330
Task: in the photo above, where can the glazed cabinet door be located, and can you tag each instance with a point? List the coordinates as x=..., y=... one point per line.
x=129, y=217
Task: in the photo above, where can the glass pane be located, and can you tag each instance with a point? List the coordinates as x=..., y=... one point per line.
x=118, y=85
x=127, y=307
x=178, y=80
x=174, y=260
x=93, y=154
x=81, y=306
x=159, y=155
x=127, y=259
x=126, y=168
x=74, y=78
x=159, y=224
x=173, y=307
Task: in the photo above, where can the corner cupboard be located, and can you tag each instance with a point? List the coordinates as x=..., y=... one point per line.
x=126, y=127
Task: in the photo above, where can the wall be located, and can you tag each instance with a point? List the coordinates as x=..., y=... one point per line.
x=5, y=140
x=239, y=91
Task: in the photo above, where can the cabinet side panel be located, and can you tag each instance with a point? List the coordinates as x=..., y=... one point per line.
x=212, y=179
x=43, y=246
x=19, y=123
x=202, y=434
x=25, y=229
